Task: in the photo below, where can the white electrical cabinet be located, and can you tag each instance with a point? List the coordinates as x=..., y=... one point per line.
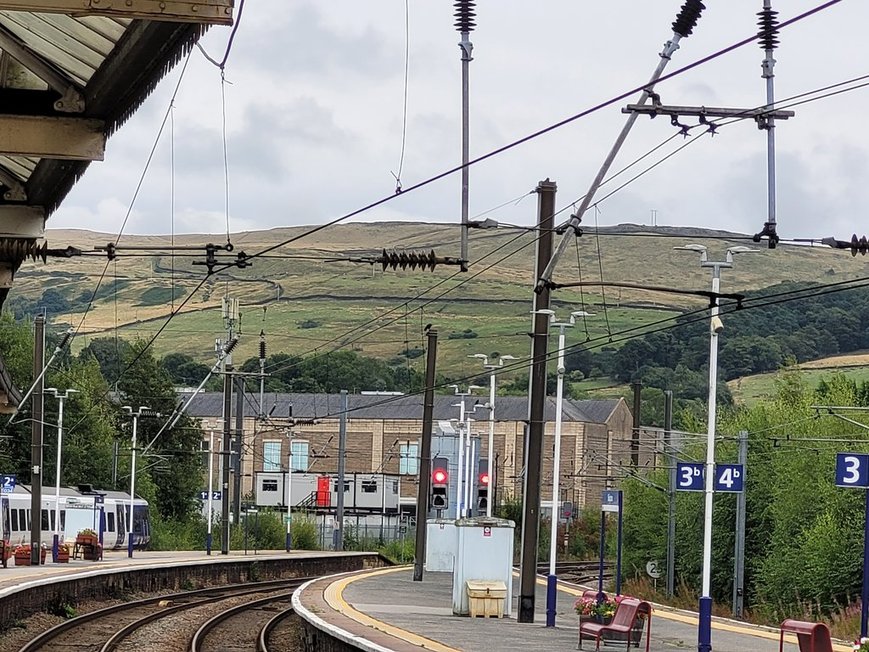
x=440, y=545
x=484, y=552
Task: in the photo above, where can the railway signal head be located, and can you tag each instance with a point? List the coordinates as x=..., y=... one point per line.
x=482, y=487
x=440, y=479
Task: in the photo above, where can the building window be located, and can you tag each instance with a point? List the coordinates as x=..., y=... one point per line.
x=271, y=456
x=369, y=486
x=299, y=461
x=408, y=458
x=270, y=485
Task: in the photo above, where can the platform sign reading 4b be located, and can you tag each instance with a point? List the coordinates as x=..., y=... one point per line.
x=852, y=470
x=689, y=476
x=7, y=484
x=729, y=477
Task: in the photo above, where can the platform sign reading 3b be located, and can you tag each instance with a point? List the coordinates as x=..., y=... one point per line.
x=689, y=476
x=852, y=470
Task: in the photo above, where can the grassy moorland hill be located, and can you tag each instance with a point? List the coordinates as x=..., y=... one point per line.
x=307, y=296
x=749, y=390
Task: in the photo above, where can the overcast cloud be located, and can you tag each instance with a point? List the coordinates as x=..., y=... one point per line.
x=314, y=113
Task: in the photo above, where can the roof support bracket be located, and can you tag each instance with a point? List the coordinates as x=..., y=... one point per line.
x=15, y=189
x=71, y=101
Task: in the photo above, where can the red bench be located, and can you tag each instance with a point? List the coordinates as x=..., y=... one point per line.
x=812, y=637
x=624, y=622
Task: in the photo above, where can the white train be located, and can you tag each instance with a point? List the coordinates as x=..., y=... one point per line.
x=79, y=509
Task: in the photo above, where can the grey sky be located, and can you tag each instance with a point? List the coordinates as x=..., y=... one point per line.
x=314, y=112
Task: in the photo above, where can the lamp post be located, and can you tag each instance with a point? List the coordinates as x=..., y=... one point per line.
x=490, y=448
x=208, y=536
x=289, y=491
x=135, y=415
x=464, y=433
x=704, y=631
x=60, y=399
x=552, y=579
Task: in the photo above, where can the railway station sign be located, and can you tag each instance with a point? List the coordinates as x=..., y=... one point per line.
x=7, y=483
x=610, y=501
x=215, y=495
x=689, y=476
x=852, y=470
x=729, y=477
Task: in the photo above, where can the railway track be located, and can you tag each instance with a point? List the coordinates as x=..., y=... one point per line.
x=578, y=572
x=125, y=626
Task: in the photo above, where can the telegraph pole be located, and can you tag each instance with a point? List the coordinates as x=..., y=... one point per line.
x=635, y=431
x=670, y=455
x=36, y=429
x=239, y=448
x=739, y=546
x=342, y=446
x=536, y=403
x=227, y=449
x=425, y=454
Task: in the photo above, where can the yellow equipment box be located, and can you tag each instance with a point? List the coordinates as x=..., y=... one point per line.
x=486, y=598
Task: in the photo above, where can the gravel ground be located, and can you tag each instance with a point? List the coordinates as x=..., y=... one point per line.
x=287, y=637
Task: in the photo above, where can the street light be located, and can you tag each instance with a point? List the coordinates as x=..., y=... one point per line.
x=60, y=399
x=289, y=490
x=552, y=579
x=704, y=632
x=135, y=415
x=464, y=439
x=490, y=449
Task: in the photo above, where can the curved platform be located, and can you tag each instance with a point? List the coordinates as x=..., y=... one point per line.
x=384, y=610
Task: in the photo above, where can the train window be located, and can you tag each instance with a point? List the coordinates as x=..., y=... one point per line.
x=29, y=524
x=369, y=486
x=63, y=519
x=270, y=485
x=51, y=516
x=14, y=513
x=44, y=520
x=346, y=486
x=110, y=521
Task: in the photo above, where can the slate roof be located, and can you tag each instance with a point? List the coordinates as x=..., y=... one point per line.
x=368, y=406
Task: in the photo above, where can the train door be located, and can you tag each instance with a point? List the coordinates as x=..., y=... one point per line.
x=5, y=525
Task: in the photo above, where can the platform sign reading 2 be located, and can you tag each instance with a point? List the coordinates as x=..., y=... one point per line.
x=7, y=484
x=689, y=476
x=852, y=470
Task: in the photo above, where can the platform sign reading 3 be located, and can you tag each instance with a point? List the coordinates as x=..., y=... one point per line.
x=852, y=470
x=689, y=476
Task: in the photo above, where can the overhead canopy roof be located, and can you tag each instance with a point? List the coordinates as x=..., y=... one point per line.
x=71, y=73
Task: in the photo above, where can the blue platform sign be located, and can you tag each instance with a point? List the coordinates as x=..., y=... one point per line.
x=852, y=470
x=610, y=501
x=99, y=500
x=203, y=496
x=689, y=476
x=729, y=477
x=7, y=484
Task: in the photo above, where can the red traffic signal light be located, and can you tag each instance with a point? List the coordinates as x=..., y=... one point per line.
x=439, y=476
x=484, y=479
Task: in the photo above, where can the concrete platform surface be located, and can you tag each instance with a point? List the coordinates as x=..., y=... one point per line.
x=392, y=598
x=15, y=577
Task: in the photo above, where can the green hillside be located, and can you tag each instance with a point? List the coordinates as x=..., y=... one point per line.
x=307, y=297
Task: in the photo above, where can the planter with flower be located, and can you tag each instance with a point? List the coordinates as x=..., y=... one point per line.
x=590, y=610
x=861, y=645
x=87, y=537
x=62, y=553
x=22, y=554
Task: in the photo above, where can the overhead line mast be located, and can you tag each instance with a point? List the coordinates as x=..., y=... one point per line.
x=767, y=21
x=465, y=24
